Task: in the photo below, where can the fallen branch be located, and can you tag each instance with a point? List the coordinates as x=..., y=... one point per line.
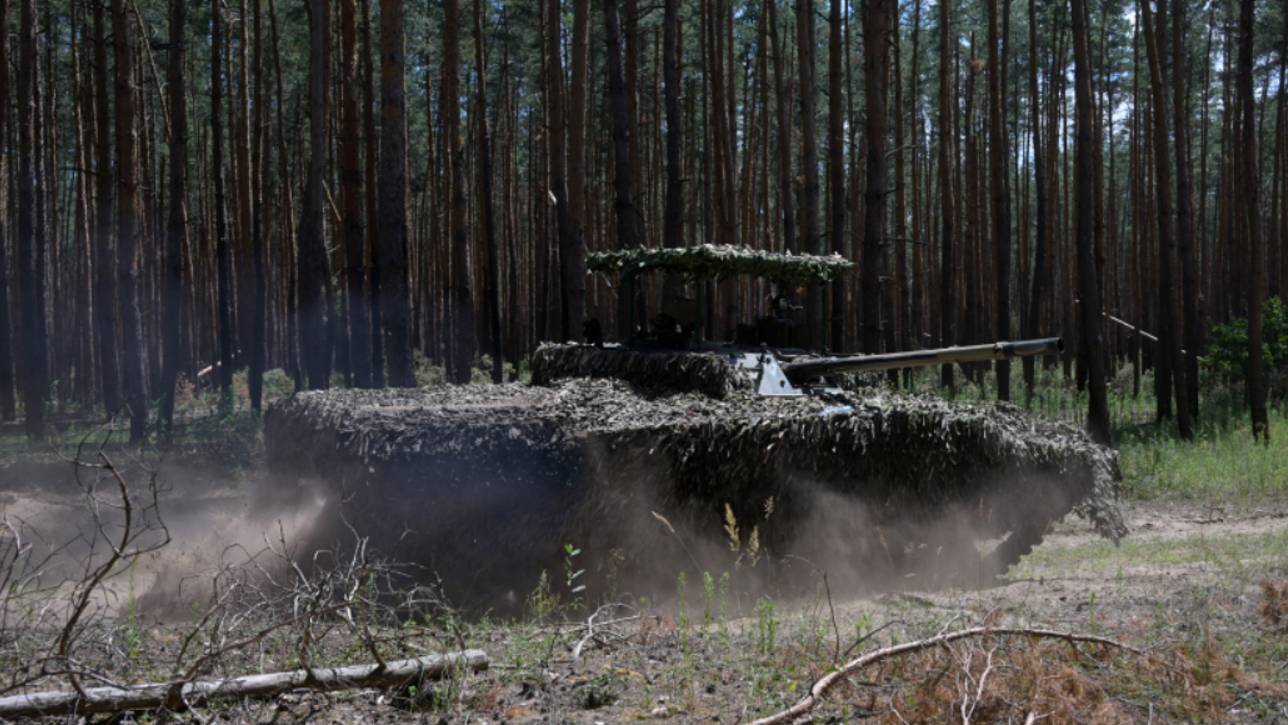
x=176, y=695
x=823, y=684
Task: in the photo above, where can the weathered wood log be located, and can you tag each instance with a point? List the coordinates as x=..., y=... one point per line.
x=177, y=695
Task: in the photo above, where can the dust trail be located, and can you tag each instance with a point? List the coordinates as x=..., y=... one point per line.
x=214, y=519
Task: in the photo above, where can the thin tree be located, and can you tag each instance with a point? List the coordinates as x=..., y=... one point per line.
x=311, y=247
x=572, y=251
x=947, y=211
x=784, y=132
x=34, y=360
x=104, y=249
x=673, y=210
x=1184, y=213
x=811, y=243
x=352, y=226
x=127, y=227
x=1252, y=225
x=836, y=165
x=1170, y=364
x=489, y=212
x=627, y=216
x=8, y=408
x=998, y=163
x=1039, y=278
x=464, y=344
x=391, y=221
x=1088, y=279
x=178, y=219
x=876, y=72
x=223, y=255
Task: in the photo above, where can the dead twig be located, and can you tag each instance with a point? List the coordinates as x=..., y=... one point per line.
x=823, y=684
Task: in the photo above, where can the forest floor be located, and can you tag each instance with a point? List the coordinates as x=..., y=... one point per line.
x=1199, y=587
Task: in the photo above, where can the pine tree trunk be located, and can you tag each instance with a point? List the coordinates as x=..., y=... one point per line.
x=178, y=221
x=127, y=227
x=997, y=147
x=811, y=243
x=1252, y=222
x=947, y=210
x=1184, y=213
x=627, y=215
x=8, y=407
x=315, y=350
x=1170, y=365
x=353, y=222
x=34, y=359
x=391, y=218
x=463, y=345
x=489, y=212
x=876, y=19
x=105, y=250
x=836, y=167
x=1088, y=279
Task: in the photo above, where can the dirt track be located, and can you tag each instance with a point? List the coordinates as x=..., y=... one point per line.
x=1186, y=574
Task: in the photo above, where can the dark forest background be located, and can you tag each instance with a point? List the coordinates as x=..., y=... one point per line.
x=353, y=190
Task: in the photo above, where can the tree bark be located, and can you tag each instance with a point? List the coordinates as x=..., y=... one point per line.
x=353, y=225
x=489, y=213
x=876, y=55
x=391, y=219
x=178, y=220
x=1252, y=222
x=627, y=215
x=836, y=167
x=464, y=345
x=947, y=210
x=1088, y=279
x=1170, y=363
x=997, y=148
x=811, y=243
x=34, y=360
x=315, y=349
x=8, y=407
x=127, y=227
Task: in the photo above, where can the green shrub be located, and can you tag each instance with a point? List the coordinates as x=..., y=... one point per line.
x=1227, y=355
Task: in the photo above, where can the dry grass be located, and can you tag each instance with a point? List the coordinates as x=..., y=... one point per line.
x=1274, y=608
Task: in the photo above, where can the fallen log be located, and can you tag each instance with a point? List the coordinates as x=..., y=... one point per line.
x=178, y=695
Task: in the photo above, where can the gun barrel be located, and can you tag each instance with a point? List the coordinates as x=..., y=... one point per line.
x=805, y=370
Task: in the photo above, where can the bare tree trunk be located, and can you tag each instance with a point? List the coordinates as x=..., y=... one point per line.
x=1039, y=280
x=1250, y=192
x=1088, y=279
x=223, y=255
x=8, y=407
x=1170, y=364
x=811, y=242
x=947, y=210
x=178, y=223
x=1184, y=213
x=876, y=58
x=629, y=233
x=489, y=213
x=464, y=345
x=127, y=230
x=673, y=211
x=836, y=166
x=572, y=240
x=315, y=349
x=391, y=220
x=997, y=147
x=352, y=224
x=34, y=361
x=105, y=258
x=784, y=132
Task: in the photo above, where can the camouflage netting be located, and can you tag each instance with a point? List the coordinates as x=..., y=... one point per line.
x=698, y=371
x=493, y=479
x=712, y=261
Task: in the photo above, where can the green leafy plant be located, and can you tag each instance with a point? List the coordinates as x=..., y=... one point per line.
x=1227, y=355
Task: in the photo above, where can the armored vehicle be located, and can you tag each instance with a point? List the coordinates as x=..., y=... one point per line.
x=669, y=452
